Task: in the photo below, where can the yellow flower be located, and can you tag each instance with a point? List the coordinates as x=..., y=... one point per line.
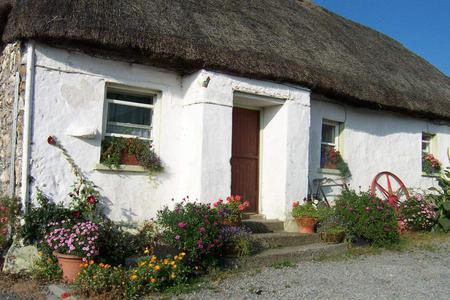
x=173, y=276
x=166, y=261
x=40, y=253
x=150, y=265
x=146, y=251
x=152, y=280
x=157, y=267
x=176, y=257
x=174, y=266
x=153, y=259
x=182, y=254
x=133, y=277
x=142, y=263
x=101, y=265
x=172, y=263
x=91, y=262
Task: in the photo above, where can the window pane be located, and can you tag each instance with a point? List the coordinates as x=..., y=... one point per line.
x=327, y=160
x=129, y=114
x=144, y=99
x=139, y=132
x=328, y=134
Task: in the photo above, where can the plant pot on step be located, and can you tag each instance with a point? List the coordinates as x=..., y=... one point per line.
x=333, y=237
x=70, y=266
x=128, y=159
x=306, y=224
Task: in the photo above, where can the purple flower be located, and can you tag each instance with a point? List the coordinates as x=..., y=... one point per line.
x=177, y=237
x=182, y=225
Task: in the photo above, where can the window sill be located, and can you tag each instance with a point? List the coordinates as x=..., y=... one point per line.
x=329, y=171
x=123, y=168
x=433, y=175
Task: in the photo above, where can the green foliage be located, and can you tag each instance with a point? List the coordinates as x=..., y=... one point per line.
x=9, y=212
x=35, y=226
x=117, y=242
x=151, y=275
x=368, y=217
x=430, y=164
x=283, y=264
x=194, y=228
x=441, y=198
x=334, y=157
x=233, y=208
x=305, y=210
x=113, y=147
x=46, y=268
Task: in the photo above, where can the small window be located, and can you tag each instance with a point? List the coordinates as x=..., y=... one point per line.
x=329, y=144
x=430, y=164
x=426, y=143
x=129, y=114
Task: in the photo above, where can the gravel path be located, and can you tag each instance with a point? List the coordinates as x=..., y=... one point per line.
x=417, y=274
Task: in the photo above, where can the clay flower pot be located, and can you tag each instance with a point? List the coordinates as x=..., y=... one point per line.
x=70, y=266
x=306, y=224
x=128, y=159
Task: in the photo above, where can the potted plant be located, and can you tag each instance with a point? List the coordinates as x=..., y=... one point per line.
x=333, y=160
x=332, y=232
x=306, y=216
x=72, y=244
x=430, y=164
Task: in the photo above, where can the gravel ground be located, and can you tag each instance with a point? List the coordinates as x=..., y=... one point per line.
x=416, y=274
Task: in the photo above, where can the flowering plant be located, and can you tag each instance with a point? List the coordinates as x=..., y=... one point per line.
x=232, y=210
x=9, y=211
x=192, y=227
x=332, y=159
x=417, y=213
x=79, y=239
x=368, y=217
x=304, y=210
x=430, y=164
x=236, y=240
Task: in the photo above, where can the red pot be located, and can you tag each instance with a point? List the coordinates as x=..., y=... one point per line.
x=70, y=266
x=128, y=159
x=306, y=224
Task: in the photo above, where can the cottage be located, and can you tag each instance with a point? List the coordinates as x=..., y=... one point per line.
x=237, y=97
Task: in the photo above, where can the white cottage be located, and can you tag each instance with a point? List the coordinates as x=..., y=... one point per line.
x=237, y=97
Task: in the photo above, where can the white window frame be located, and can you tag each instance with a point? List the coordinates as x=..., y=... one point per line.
x=430, y=142
x=336, y=126
x=131, y=90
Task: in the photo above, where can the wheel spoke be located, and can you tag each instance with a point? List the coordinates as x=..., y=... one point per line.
x=383, y=190
x=389, y=184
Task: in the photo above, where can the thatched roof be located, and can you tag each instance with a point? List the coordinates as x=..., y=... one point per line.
x=288, y=41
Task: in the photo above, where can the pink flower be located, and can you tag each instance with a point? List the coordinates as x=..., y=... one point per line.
x=177, y=237
x=201, y=229
x=182, y=225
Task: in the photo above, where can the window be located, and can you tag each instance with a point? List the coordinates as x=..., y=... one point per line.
x=129, y=114
x=430, y=164
x=426, y=143
x=329, y=144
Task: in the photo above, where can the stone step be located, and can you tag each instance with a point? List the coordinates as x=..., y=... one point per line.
x=263, y=226
x=293, y=255
x=253, y=216
x=283, y=239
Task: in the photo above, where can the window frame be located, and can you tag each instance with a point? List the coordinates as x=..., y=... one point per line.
x=430, y=143
x=337, y=135
x=131, y=90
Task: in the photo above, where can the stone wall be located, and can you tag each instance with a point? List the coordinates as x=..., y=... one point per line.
x=10, y=64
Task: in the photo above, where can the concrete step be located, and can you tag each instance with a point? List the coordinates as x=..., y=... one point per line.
x=263, y=226
x=293, y=254
x=283, y=239
x=253, y=216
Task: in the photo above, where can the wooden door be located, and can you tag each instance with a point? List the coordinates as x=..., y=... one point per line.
x=245, y=156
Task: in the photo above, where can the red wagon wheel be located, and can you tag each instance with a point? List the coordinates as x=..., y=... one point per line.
x=389, y=187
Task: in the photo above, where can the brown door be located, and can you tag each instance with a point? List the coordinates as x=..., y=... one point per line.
x=245, y=156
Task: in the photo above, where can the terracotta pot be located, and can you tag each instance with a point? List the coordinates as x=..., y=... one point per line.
x=70, y=266
x=306, y=224
x=333, y=237
x=128, y=159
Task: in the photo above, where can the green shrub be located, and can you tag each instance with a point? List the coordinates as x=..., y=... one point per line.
x=368, y=217
x=194, y=228
x=305, y=210
x=9, y=212
x=36, y=220
x=441, y=198
x=46, y=268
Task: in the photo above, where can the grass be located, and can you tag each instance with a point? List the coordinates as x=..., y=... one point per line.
x=282, y=264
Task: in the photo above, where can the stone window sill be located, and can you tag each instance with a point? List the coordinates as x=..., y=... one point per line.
x=329, y=171
x=123, y=168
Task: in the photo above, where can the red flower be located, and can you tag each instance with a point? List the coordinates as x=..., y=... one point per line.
x=241, y=207
x=76, y=214
x=65, y=295
x=51, y=140
x=295, y=204
x=91, y=199
x=247, y=203
x=238, y=198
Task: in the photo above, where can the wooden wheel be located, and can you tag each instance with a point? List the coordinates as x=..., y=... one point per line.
x=389, y=187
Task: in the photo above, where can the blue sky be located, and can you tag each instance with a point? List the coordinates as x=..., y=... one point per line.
x=423, y=26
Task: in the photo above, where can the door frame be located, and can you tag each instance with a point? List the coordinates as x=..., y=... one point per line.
x=260, y=149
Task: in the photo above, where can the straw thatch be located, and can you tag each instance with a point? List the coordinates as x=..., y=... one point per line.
x=288, y=41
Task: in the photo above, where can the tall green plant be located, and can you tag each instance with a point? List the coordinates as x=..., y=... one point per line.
x=441, y=198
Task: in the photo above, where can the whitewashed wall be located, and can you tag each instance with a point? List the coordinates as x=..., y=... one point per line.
x=193, y=134
x=375, y=141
